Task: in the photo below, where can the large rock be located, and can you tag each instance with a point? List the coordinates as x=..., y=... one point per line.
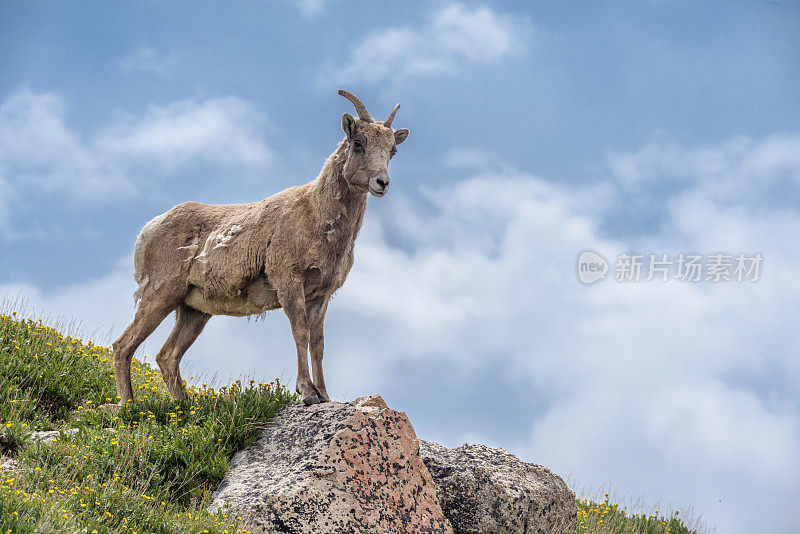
x=334, y=468
x=488, y=490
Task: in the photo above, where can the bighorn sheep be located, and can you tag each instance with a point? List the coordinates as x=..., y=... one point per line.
x=292, y=250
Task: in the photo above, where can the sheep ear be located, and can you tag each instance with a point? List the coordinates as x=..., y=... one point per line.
x=348, y=125
x=401, y=135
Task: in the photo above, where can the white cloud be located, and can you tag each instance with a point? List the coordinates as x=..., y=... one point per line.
x=468, y=158
x=478, y=34
x=311, y=8
x=222, y=130
x=38, y=149
x=443, y=42
x=146, y=59
x=734, y=171
x=647, y=385
x=41, y=153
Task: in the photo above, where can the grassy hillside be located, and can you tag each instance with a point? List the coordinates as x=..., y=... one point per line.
x=156, y=470
x=154, y=473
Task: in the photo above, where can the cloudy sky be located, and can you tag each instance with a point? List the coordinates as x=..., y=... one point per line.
x=537, y=132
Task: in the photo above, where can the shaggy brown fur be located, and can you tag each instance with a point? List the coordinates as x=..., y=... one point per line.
x=292, y=250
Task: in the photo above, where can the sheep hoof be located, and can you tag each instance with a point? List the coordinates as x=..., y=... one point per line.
x=312, y=399
x=323, y=397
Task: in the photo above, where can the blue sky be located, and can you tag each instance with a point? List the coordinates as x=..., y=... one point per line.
x=537, y=131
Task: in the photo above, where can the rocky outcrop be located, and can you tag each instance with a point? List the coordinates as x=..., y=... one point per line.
x=333, y=468
x=358, y=467
x=488, y=490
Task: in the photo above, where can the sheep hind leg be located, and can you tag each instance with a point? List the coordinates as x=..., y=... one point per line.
x=150, y=313
x=189, y=323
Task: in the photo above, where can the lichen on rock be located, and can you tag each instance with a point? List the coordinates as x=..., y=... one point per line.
x=488, y=490
x=334, y=468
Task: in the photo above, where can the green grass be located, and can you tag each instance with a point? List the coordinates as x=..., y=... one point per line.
x=607, y=518
x=156, y=471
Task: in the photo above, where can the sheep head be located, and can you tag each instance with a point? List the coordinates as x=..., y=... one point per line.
x=370, y=146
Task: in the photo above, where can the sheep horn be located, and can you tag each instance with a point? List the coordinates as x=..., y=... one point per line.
x=363, y=114
x=388, y=121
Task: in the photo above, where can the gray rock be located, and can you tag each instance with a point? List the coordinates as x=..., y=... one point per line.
x=488, y=490
x=9, y=467
x=48, y=436
x=333, y=468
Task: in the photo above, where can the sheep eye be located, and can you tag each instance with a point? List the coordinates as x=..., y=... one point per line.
x=358, y=145
x=393, y=152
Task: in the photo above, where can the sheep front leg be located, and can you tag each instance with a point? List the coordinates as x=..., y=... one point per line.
x=292, y=299
x=316, y=320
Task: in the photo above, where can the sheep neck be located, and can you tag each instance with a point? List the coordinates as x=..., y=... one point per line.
x=339, y=207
